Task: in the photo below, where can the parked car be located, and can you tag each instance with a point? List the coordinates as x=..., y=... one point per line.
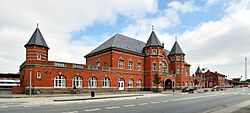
x=216, y=88
x=187, y=89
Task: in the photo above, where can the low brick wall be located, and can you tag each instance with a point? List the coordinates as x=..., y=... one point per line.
x=17, y=90
x=38, y=91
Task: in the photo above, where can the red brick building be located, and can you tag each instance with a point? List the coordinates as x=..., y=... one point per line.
x=209, y=79
x=120, y=63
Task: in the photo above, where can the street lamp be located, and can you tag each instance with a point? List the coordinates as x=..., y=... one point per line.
x=204, y=86
x=30, y=81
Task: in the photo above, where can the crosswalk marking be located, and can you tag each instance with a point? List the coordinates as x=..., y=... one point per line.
x=96, y=109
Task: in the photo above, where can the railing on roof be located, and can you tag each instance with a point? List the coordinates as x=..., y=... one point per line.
x=105, y=68
x=92, y=67
x=60, y=64
x=79, y=66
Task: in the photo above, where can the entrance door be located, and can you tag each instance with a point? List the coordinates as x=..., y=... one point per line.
x=121, y=84
x=168, y=84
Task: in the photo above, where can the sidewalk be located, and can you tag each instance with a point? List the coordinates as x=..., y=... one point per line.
x=76, y=97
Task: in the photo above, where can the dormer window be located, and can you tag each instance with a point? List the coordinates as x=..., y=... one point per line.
x=39, y=56
x=98, y=64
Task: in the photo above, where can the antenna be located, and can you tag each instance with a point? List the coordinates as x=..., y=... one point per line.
x=152, y=27
x=176, y=38
x=245, y=68
x=37, y=25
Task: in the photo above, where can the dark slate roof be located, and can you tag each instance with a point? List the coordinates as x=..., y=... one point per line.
x=176, y=49
x=198, y=71
x=153, y=40
x=37, y=39
x=120, y=42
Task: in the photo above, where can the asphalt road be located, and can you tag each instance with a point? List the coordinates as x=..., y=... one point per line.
x=186, y=103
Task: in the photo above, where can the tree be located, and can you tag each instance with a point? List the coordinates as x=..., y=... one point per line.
x=157, y=81
x=248, y=80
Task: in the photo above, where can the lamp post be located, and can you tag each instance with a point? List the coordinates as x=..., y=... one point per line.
x=204, y=85
x=30, y=81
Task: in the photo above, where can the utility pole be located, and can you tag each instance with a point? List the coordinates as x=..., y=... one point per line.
x=245, y=68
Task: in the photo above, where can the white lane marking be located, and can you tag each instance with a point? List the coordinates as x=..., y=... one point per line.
x=235, y=93
x=3, y=106
x=113, y=107
x=130, y=105
x=96, y=109
x=70, y=112
x=248, y=93
x=242, y=93
x=165, y=101
x=154, y=102
x=141, y=104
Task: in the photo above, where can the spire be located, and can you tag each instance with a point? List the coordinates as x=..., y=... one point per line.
x=176, y=49
x=198, y=71
x=37, y=39
x=153, y=40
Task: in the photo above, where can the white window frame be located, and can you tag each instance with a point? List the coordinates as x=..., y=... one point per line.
x=98, y=63
x=164, y=67
x=139, y=66
x=130, y=65
x=39, y=75
x=130, y=83
x=39, y=56
x=59, y=81
x=139, y=83
x=77, y=81
x=105, y=82
x=186, y=72
x=92, y=82
x=178, y=70
x=154, y=66
x=121, y=64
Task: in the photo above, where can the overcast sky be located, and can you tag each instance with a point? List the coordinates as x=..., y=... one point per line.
x=213, y=33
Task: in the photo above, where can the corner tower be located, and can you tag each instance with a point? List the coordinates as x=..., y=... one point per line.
x=178, y=66
x=153, y=51
x=36, y=48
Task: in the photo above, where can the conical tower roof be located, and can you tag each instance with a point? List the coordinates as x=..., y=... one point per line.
x=198, y=71
x=153, y=40
x=176, y=49
x=37, y=39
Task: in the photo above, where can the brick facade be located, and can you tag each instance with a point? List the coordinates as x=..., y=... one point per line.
x=139, y=68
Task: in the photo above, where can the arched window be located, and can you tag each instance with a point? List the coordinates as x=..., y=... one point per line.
x=92, y=82
x=39, y=75
x=59, y=81
x=77, y=81
x=178, y=70
x=154, y=67
x=164, y=67
x=39, y=56
x=139, y=83
x=130, y=83
x=105, y=82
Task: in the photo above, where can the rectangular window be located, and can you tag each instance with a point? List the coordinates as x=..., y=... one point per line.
x=186, y=72
x=130, y=65
x=154, y=66
x=121, y=64
x=139, y=66
x=178, y=70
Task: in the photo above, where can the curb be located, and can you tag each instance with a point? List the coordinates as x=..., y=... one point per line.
x=94, y=98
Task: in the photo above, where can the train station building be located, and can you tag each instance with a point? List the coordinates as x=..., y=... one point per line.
x=121, y=63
